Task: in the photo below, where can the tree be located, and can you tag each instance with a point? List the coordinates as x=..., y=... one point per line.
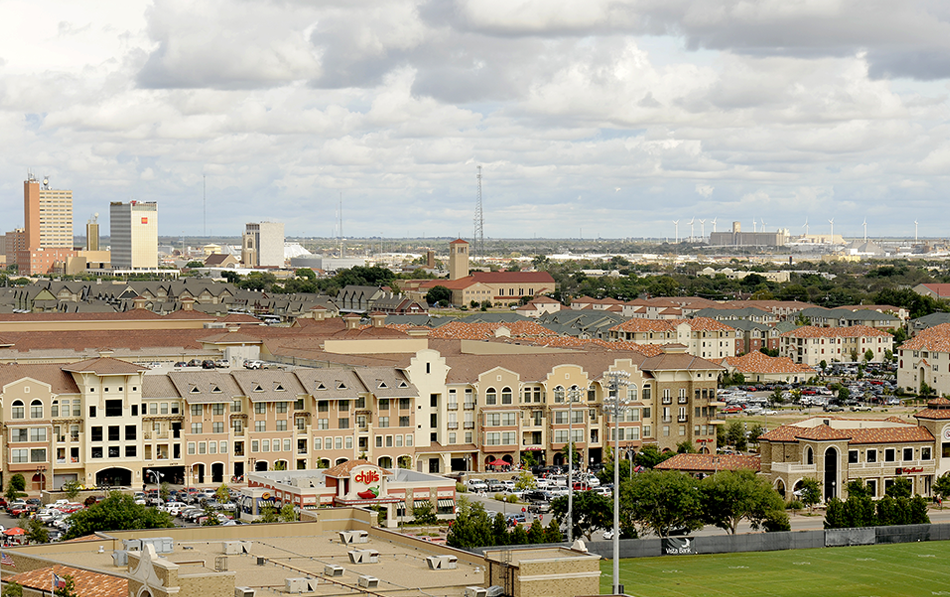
x=164, y=491
x=868, y=355
x=287, y=513
x=35, y=531
x=194, y=265
x=650, y=456
x=68, y=589
x=15, y=487
x=536, y=532
x=425, y=514
x=661, y=501
x=267, y=514
x=810, y=492
x=306, y=272
x=685, y=447
x=117, y=512
x=553, y=534
x=900, y=488
x=732, y=496
x=210, y=518
x=12, y=589
x=735, y=436
x=231, y=277
x=591, y=511
x=525, y=480
x=941, y=487
x=223, y=494
x=437, y=294
x=471, y=527
x=71, y=489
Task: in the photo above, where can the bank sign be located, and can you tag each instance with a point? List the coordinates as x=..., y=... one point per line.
x=678, y=546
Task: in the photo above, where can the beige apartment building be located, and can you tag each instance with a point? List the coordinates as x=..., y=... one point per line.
x=810, y=345
x=703, y=337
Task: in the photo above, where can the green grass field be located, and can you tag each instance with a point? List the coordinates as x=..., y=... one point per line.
x=905, y=570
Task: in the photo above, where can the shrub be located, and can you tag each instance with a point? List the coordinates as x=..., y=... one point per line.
x=512, y=499
x=500, y=497
x=794, y=505
x=461, y=488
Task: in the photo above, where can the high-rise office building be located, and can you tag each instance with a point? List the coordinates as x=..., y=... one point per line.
x=133, y=231
x=263, y=245
x=48, y=227
x=92, y=234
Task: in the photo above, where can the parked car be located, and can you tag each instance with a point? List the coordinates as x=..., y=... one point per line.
x=207, y=364
x=222, y=363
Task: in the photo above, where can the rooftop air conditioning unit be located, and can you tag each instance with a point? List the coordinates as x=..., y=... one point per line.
x=244, y=592
x=368, y=582
x=333, y=570
x=476, y=592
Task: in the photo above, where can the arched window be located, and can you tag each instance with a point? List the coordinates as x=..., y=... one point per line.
x=491, y=396
x=18, y=411
x=36, y=409
x=809, y=456
x=632, y=392
x=559, y=394
x=506, y=395
x=54, y=409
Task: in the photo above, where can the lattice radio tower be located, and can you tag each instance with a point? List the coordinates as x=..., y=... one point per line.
x=478, y=241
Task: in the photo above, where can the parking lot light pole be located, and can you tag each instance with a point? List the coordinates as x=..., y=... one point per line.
x=572, y=395
x=616, y=403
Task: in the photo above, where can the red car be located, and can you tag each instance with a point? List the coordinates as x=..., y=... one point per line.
x=731, y=410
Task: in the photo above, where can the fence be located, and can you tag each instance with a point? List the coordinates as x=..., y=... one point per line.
x=709, y=544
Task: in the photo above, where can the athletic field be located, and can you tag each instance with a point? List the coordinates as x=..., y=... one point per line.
x=907, y=569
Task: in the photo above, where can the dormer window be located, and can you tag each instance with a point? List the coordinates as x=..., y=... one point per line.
x=279, y=388
x=382, y=385
x=258, y=388
x=215, y=390
x=320, y=386
x=403, y=384
x=195, y=390
x=341, y=386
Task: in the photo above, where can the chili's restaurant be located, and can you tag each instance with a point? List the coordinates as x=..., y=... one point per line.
x=356, y=483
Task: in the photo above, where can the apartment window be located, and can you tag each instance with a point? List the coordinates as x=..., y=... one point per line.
x=260, y=426
x=890, y=455
x=908, y=454
x=343, y=423
x=282, y=407
x=323, y=406
x=925, y=453
x=18, y=411
x=130, y=451
x=196, y=427
x=217, y=409
x=301, y=424
x=217, y=427
x=298, y=403
x=20, y=455
x=223, y=447
x=323, y=423
x=260, y=408
x=54, y=409
x=281, y=426
x=852, y=456
x=646, y=393
x=871, y=456
x=506, y=395
x=404, y=421
x=317, y=443
x=196, y=410
x=384, y=421
x=237, y=425
x=95, y=434
x=360, y=402
x=97, y=452
x=491, y=397
x=255, y=446
x=236, y=406
x=338, y=443
x=36, y=409
x=265, y=445
x=404, y=404
x=343, y=406
x=113, y=433
x=384, y=404
x=152, y=408
x=349, y=441
x=113, y=408
x=130, y=431
x=77, y=408
x=379, y=441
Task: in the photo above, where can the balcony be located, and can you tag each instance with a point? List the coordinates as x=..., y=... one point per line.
x=793, y=467
x=453, y=425
x=682, y=419
x=453, y=406
x=667, y=400
x=469, y=406
x=469, y=425
x=666, y=419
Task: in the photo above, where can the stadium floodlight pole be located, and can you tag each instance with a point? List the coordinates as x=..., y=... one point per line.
x=572, y=395
x=616, y=403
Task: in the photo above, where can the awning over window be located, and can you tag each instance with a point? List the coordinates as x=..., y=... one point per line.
x=446, y=503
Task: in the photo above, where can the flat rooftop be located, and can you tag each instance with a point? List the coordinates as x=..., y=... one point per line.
x=402, y=569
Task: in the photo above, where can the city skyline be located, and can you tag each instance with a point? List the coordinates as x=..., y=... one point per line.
x=596, y=119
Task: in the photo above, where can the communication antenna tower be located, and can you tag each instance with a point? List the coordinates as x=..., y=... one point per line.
x=479, y=236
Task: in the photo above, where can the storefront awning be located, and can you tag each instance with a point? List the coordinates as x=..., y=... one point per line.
x=446, y=503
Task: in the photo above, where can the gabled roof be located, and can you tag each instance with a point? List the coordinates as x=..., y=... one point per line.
x=711, y=462
x=269, y=386
x=202, y=387
x=386, y=382
x=104, y=366
x=86, y=583
x=756, y=362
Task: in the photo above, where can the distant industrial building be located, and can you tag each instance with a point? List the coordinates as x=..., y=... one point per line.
x=133, y=231
x=737, y=238
x=263, y=245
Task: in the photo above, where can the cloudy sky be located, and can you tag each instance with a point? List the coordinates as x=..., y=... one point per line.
x=589, y=118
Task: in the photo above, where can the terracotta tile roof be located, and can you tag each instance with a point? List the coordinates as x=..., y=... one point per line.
x=480, y=331
x=879, y=435
x=88, y=584
x=710, y=462
x=756, y=362
x=513, y=278
x=105, y=366
x=935, y=339
x=855, y=331
x=343, y=470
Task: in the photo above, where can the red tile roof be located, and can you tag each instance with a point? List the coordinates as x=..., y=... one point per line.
x=710, y=462
x=935, y=339
x=756, y=362
x=698, y=324
x=854, y=331
x=878, y=435
x=86, y=583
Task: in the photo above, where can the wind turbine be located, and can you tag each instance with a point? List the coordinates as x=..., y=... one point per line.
x=676, y=225
x=832, y=222
x=865, y=224
x=754, y=228
x=691, y=229
x=714, y=224
x=702, y=229
x=763, y=223
x=806, y=226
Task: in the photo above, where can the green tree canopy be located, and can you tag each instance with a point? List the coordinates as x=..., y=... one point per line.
x=591, y=511
x=732, y=496
x=661, y=501
x=118, y=512
x=437, y=294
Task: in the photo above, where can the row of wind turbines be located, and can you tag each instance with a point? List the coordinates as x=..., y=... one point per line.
x=702, y=225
